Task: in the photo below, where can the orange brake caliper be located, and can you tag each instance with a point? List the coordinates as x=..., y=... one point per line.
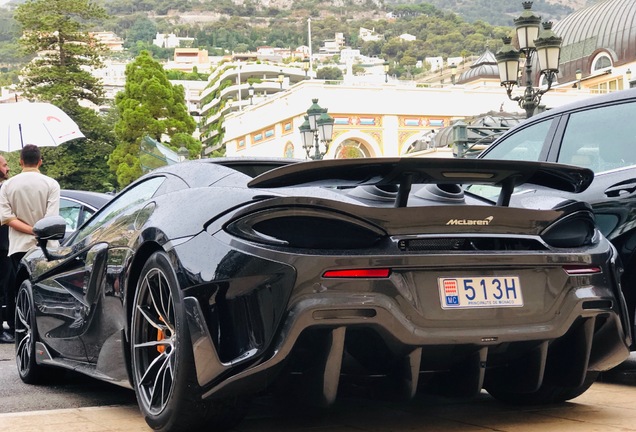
x=161, y=336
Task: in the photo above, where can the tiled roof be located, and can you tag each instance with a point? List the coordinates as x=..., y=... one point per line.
x=484, y=67
x=608, y=25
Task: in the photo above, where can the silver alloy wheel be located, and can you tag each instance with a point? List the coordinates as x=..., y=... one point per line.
x=154, y=338
x=23, y=332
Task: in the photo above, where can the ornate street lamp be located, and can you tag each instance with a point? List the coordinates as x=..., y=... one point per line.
x=281, y=77
x=306, y=66
x=317, y=128
x=313, y=112
x=546, y=46
x=508, y=64
x=250, y=92
x=386, y=71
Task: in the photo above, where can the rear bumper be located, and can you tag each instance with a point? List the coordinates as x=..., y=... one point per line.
x=251, y=315
x=588, y=338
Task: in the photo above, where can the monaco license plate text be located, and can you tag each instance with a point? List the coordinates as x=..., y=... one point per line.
x=480, y=292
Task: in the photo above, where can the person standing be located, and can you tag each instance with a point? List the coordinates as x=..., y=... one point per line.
x=25, y=199
x=6, y=267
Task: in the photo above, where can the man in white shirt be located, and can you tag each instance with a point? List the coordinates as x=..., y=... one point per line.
x=25, y=199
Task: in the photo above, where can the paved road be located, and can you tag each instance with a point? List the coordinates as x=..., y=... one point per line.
x=72, y=403
x=66, y=390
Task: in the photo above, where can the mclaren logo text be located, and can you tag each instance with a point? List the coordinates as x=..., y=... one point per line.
x=485, y=221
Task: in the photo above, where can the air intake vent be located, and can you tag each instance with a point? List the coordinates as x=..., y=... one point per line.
x=468, y=244
x=446, y=193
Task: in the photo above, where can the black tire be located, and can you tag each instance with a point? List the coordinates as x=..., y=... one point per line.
x=162, y=362
x=547, y=394
x=25, y=336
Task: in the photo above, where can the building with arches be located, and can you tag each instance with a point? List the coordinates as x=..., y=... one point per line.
x=600, y=42
x=371, y=120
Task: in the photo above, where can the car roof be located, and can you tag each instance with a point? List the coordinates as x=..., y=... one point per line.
x=612, y=97
x=93, y=199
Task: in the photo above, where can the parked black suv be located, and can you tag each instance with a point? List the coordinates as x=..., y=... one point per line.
x=598, y=133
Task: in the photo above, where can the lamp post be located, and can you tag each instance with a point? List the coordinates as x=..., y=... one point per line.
x=545, y=46
x=578, y=75
x=306, y=67
x=386, y=71
x=460, y=137
x=453, y=68
x=281, y=77
x=250, y=92
x=317, y=128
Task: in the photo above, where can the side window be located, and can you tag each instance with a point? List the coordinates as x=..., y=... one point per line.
x=601, y=139
x=138, y=194
x=70, y=211
x=526, y=144
x=87, y=214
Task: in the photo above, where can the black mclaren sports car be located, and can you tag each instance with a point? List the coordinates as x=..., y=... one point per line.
x=206, y=282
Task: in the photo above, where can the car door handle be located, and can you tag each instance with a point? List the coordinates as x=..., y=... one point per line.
x=620, y=189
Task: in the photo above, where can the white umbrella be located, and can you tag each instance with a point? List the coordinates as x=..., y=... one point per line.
x=39, y=123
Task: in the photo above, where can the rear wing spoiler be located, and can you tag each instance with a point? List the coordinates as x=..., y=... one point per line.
x=404, y=172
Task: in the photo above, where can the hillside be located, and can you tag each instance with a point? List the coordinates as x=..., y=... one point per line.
x=502, y=12
x=494, y=12
x=447, y=28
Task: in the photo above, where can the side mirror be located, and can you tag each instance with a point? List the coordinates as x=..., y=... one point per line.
x=50, y=228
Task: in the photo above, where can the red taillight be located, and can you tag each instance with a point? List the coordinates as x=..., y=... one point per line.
x=358, y=273
x=581, y=269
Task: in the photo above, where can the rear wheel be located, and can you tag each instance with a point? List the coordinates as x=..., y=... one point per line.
x=25, y=334
x=547, y=394
x=162, y=362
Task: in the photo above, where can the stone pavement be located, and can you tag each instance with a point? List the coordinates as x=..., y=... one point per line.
x=606, y=407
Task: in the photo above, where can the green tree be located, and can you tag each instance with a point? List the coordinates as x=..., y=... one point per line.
x=182, y=139
x=57, y=31
x=149, y=105
x=329, y=73
x=143, y=29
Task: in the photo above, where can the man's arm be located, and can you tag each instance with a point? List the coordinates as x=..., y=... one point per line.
x=53, y=202
x=18, y=225
x=6, y=212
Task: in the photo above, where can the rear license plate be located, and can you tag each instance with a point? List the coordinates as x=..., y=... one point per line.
x=480, y=292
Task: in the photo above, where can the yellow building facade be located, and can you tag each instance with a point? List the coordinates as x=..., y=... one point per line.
x=370, y=120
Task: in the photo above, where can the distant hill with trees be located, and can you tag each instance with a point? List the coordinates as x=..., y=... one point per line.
x=500, y=12
x=495, y=12
x=444, y=28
